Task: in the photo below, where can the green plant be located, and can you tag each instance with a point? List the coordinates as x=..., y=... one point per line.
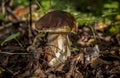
x=2, y=16
x=13, y=36
x=21, y=2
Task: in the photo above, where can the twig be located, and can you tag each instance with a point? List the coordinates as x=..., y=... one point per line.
x=15, y=16
x=3, y=6
x=6, y=26
x=10, y=71
x=9, y=25
x=30, y=22
x=10, y=53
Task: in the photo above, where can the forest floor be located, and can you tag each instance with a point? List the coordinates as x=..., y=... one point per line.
x=92, y=56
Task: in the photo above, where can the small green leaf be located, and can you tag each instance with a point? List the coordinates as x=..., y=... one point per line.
x=115, y=29
x=107, y=14
x=1, y=70
x=38, y=36
x=86, y=20
x=13, y=36
x=2, y=16
x=112, y=5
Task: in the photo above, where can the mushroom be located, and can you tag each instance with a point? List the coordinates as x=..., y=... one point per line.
x=58, y=24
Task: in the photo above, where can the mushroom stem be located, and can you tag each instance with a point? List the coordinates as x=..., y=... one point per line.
x=60, y=47
x=60, y=44
x=67, y=46
x=63, y=45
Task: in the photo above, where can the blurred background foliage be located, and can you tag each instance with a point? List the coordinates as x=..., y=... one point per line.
x=85, y=11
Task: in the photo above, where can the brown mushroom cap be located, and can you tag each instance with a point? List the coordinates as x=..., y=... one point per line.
x=57, y=21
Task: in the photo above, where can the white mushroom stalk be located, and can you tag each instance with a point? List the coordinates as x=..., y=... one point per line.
x=60, y=47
